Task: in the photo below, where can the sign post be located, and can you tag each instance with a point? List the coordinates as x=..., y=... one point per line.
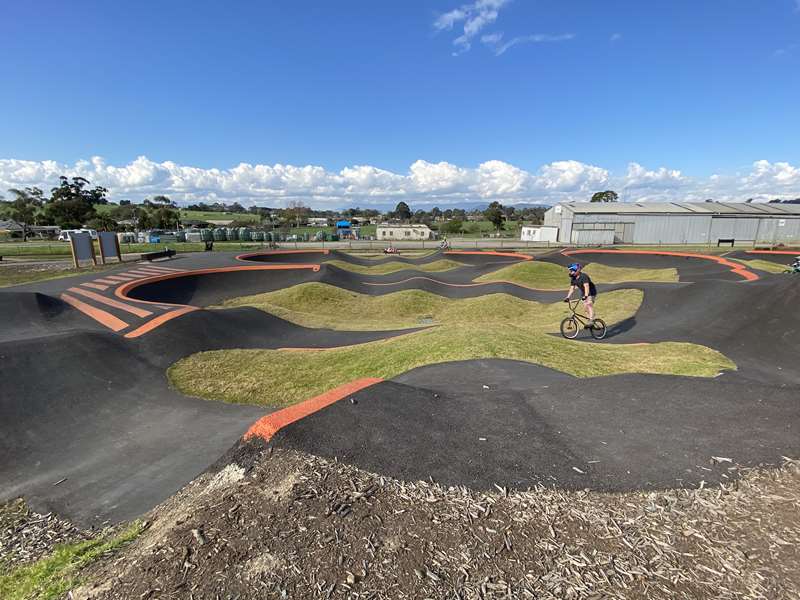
x=82, y=248
x=109, y=246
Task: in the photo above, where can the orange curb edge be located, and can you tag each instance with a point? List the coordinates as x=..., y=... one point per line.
x=266, y=427
x=122, y=291
x=159, y=320
x=737, y=268
x=791, y=252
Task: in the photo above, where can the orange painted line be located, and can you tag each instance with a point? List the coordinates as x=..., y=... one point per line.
x=160, y=268
x=266, y=427
x=95, y=286
x=123, y=290
x=510, y=254
x=737, y=268
x=159, y=320
x=134, y=310
x=474, y=284
x=152, y=272
x=106, y=281
x=244, y=257
x=119, y=278
x=791, y=252
x=101, y=316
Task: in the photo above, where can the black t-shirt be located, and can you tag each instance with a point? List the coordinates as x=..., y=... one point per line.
x=581, y=278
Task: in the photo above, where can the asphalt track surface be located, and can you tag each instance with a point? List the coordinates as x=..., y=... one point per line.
x=90, y=428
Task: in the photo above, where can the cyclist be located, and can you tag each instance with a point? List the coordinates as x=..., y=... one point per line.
x=578, y=280
x=795, y=266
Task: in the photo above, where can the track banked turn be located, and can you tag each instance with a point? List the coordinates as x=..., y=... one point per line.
x=98, y=412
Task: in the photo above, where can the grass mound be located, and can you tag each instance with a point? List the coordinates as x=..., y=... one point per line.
x=765, y=265
x=322, y=305
x=436, y=266
x=493, y=326
x=240, y=375
x=381, y=255
x=53, y=576
x=548, y=276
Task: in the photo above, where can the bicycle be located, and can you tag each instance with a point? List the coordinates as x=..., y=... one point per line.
x=570, y=325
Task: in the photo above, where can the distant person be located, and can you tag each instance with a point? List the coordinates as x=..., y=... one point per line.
x=578, y=280
x=445, y=245
x=796, y=264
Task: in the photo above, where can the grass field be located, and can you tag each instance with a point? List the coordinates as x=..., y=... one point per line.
x=436, y=266
x=19, y=274
x=60, y=249
x=548, y=276
x=496, y=326
x=326, y=306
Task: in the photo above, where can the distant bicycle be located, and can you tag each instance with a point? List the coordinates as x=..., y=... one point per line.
x=571, y=326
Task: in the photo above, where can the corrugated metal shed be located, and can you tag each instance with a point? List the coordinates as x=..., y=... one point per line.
x=682, y=208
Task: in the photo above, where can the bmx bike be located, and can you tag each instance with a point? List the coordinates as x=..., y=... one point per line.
x=571, y=326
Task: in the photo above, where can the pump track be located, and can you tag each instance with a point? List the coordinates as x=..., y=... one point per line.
x=90, y=428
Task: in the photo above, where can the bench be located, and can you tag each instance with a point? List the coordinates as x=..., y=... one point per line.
x=162, y=254
x=730, y=241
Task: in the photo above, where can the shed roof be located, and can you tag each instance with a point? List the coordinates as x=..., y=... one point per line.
x=683, y=208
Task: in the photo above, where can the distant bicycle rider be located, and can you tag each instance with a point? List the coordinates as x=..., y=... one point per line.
x=795, y=266
x=578, y=280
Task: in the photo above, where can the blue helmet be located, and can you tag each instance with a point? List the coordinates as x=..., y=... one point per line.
x=574, y=267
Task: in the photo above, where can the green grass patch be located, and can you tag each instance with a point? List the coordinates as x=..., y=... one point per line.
x=548, y=276
x=19, y=275
x=436, y=266
x=493, y=326
x=61, y=249
x=53, y=576
x=325, y=306
x=765, y=265
x=243, y=376
x=381, y=255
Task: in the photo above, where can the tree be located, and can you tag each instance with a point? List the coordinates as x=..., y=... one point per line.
x=25, y=207
x=296, y=211
x=453, y=226
x=402, y=211
x=161, y=200
x=607, y=196
x=495, y=214
x=165, y=218
x=72, y=202
x=102, y=223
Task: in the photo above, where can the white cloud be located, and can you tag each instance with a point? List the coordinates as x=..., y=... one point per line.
x=475, y=16
x=615, y=37
x=571, y=176
x=537, y=38
x=639, y=177
x=425, y=183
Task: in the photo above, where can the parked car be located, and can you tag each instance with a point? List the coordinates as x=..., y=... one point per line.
x=65, y=233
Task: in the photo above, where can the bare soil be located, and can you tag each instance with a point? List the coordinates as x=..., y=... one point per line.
x=287, y=525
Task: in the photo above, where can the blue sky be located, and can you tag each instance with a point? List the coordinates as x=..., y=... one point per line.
x=167, y=92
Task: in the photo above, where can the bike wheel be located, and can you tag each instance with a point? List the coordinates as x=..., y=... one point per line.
x=598, y=330
x=570, y=328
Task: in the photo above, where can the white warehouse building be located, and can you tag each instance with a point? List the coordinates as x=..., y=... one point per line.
x=599, y=223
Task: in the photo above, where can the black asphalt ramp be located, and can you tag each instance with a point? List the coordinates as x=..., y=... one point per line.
x=481, y=423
